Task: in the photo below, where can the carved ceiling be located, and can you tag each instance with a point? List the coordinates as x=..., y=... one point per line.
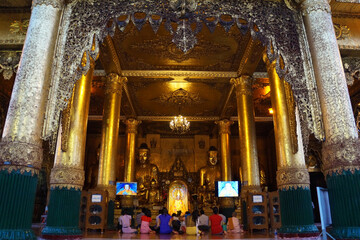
x=193, y=95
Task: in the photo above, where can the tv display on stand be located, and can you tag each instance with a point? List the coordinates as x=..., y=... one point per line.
x=228, y=189
x=96, y=198
x=126, y=188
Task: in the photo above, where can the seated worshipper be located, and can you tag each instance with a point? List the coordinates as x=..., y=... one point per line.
x=233, y=224
x=215, y=222
x=125, y=222
x=176, y=224
x=145, y=222
x=138, y=217
x=203, y=222
x=223, y=223
x=165, y=222
x=191, y=222
x=157, y=226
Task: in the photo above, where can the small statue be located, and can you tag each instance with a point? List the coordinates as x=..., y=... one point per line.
x=154, y=194
x=146, y=174
x=208, y=176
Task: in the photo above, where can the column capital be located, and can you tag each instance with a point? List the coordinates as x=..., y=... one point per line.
x=309, y=6
x=224, y=126
x=131, y=125
x=243, y=85
x=54, y=3
x=340, y=156
x=67, y=177
x=114, y=83
x=292, y=177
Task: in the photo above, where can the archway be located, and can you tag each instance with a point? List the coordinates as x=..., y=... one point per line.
x=178, y=199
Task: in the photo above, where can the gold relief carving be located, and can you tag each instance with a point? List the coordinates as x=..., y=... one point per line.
x=19, y=27
x=55, y=3
x=9, y=62
x=114, y=83
x=224, y=126
x=111, y=189
x=132, y=125
x=20, y=156
x=67, y=177
x=290, y=103
x=341, y=31
x=227, y=202
x=341, y=156
x=180, y=96
x=308, y=6
x=65, y=125
x=178, y=73
x=243, y=85
x=292, y=177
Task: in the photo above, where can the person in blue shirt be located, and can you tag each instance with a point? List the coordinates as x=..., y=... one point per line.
x=165, y=222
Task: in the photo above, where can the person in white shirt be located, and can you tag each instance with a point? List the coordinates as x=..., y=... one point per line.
x=203, y=222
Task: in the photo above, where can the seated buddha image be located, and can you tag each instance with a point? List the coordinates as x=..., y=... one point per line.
x=146, y=174
x=208, y=176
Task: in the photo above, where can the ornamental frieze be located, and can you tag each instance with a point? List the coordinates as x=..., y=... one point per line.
x=293, y=177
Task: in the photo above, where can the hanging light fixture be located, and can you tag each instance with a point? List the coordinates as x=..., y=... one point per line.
x=180, y=125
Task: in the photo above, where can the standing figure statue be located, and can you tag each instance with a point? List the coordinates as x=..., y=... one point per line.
x=146, y=175
x=208, y=176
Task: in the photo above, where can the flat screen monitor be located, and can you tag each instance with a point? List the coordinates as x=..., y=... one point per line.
x=126, y=188
x=257, y=198
x=96, y=198
x=228, y=188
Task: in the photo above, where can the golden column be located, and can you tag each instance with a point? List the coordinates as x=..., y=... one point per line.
x=224, y=134
x=292, y=176
x=67, y=175
x=248, y=149
x=227, y=204
x=131, y=131
x=110, y=133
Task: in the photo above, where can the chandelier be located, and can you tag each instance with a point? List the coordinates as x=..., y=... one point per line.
x=179, y=125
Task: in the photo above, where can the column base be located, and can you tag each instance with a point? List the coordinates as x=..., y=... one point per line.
x=17, y=204
x=344, y=195
x=17, y=234
x=61, y=233
x=345, y=232
x=63, y=216
x=296, y=213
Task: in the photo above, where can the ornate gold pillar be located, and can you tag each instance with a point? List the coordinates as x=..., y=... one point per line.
x=110, y=133
x=247, y=134
x=67, y=175
x=292, y=176
x=226, y=204
x=21, y=143
x=341, y=149
x=130, y=158
x=224, y=135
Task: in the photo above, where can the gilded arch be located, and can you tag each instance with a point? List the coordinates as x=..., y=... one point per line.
x=276, y=26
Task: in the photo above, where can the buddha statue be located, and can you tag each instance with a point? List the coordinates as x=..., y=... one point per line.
x=208, y=175
x=154, y=193
x=146, y=174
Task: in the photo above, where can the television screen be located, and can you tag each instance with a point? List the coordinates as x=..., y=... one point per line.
x=257, y=198
x=96, y=198
x=126, y=188
x=228, y=188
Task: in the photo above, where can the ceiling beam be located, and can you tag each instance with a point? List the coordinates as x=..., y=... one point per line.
x=190, y=119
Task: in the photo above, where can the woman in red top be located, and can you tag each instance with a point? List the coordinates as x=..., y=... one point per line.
x=145, y=222
x=215, y=222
